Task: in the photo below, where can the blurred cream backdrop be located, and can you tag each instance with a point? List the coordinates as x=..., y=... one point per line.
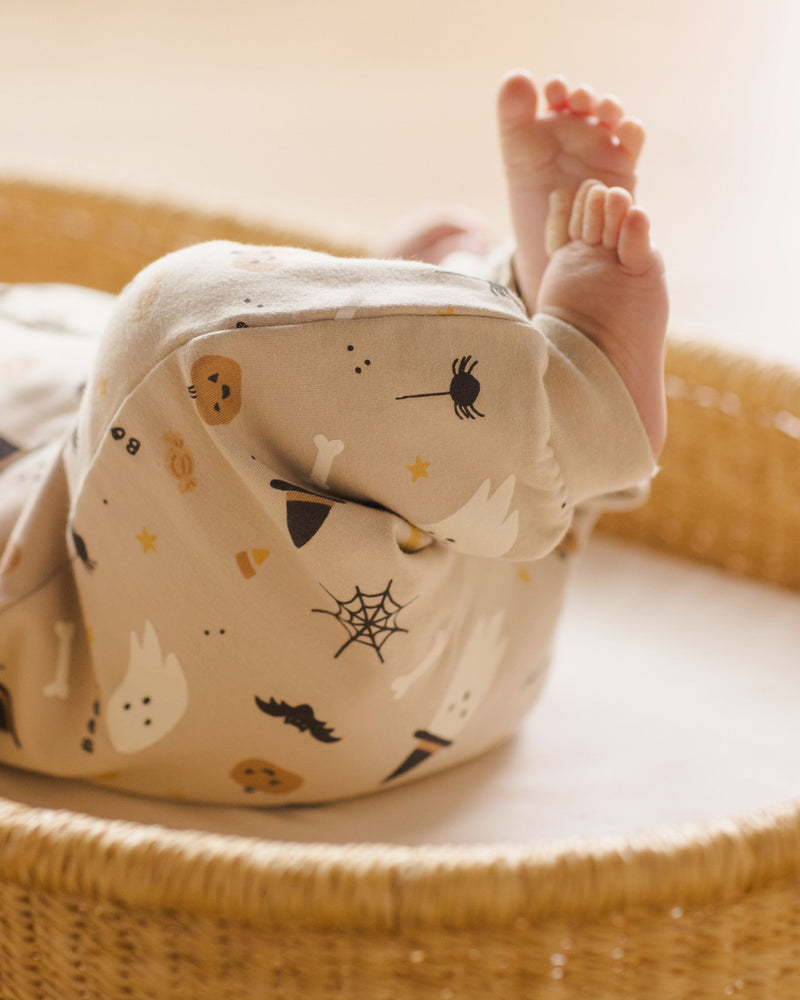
x=342, y=114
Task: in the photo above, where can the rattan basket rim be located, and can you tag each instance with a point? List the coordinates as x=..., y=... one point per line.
x=364, y=885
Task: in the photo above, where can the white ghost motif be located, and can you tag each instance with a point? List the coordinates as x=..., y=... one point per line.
x=151, y=699
x=483, y=526
x=470, y=683
x=400, y=685
x=472, y=678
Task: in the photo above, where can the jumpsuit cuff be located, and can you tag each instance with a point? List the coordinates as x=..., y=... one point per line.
x=597, y=436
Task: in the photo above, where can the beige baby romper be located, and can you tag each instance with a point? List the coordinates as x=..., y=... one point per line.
x=309, y=535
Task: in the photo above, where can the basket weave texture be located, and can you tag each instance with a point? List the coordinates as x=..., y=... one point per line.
x=99, y=910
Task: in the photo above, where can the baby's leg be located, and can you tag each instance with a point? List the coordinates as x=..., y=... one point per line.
x=578, y=136
x=606, y=279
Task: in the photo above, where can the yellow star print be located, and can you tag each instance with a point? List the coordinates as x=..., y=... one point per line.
x=148, y=541
x=102, y=386
x=419, y=470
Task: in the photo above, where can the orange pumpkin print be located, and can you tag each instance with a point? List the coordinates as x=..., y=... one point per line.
x=216, y=388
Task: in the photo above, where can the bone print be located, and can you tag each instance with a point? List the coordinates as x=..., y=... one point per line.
x=59, y=686
x=326, y=452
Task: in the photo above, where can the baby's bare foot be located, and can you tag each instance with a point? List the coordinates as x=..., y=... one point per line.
x=606, y=279
x=579, y=136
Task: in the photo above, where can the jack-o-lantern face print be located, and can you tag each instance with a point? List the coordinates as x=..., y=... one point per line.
x=216, y=388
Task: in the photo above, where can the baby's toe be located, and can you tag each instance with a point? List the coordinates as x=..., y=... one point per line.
x=516, y=101
x=618, y=201
x=557, y=227
x=594, y=215
x=556, y=92
x=630, y=134
x=579, y=208
x=636, y=253
x=609, y=112
x=582, y=101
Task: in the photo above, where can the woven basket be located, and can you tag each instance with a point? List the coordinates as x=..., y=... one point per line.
x=110, y=910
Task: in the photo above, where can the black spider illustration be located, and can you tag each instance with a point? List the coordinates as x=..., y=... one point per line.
x=464, y=389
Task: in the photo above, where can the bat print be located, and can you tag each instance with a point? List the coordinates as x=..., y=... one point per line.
x=301, y=717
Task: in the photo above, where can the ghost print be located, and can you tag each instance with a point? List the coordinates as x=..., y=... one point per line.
x=470, y=683
x=483, y=526
x=151, y=699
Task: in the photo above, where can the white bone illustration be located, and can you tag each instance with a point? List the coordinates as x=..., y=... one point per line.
x=400, y=685
x=483, y=526
x=326, y=452
x=59, y=686
x=472, y=678
x=151, y=699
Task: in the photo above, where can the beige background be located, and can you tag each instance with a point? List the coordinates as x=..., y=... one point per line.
x=343, y=113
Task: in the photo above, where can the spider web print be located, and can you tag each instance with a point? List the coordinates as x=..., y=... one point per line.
x=369, y=619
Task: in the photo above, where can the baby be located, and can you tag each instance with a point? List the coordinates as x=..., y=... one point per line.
x=310, y=532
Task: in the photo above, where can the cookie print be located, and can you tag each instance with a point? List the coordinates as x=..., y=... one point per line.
x=257, y=775
x=216, y=388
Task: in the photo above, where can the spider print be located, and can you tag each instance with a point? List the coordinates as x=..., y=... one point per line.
x=464, y=389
